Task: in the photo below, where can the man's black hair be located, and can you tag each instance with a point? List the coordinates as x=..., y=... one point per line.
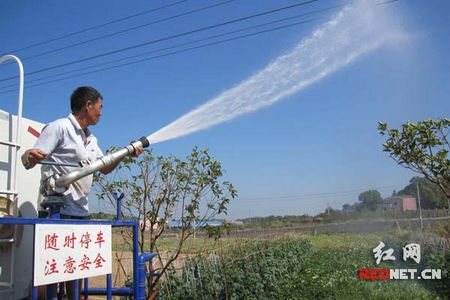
x=81, y=96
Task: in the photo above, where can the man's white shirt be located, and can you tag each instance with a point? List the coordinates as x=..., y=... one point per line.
x=66, y=142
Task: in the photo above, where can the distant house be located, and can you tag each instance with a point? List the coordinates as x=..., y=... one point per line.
x=196, y=224
x=235, y=222
x=400, y=203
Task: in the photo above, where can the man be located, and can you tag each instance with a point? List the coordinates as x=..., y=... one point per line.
x=69, y=140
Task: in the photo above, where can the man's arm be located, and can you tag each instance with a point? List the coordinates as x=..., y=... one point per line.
x=32, y=156
x=46, y=143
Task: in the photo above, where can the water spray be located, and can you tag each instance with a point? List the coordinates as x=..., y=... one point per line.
x=352, y=32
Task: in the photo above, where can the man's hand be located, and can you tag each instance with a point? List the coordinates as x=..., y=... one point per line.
x=31, y=157
x=137, y=150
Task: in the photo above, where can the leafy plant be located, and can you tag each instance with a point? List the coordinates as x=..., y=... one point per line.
x=159, y=189
x=291, y=268
x=422, y=147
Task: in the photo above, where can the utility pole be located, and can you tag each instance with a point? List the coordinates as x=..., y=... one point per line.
x=420, y=206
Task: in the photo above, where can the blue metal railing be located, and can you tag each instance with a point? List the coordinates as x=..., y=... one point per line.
x=137, y=291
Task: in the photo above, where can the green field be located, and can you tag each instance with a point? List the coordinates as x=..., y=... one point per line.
x=301, y=266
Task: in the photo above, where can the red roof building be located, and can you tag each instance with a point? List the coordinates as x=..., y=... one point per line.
x=401, y=203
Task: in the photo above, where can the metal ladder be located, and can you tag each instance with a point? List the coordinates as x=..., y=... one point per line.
x=11, y=192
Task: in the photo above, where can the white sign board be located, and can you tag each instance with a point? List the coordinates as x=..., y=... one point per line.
x=68, y=252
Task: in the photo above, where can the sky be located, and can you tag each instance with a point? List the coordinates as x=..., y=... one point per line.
x=316, y=147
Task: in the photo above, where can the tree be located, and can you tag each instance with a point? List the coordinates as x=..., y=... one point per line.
x=422, y=147
x=346, y=207
x=431, y=195
x=370, y=200
x=159, y=189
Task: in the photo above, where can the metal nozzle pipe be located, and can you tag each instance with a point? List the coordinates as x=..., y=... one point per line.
x=100, y=163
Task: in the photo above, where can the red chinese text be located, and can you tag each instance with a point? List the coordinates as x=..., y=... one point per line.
x=100, y=239
x=85, y=240
x=50, y=267
x=69, y=241
x=85, y=262
x=69, y=265
x=99, y=260
x=51, y=241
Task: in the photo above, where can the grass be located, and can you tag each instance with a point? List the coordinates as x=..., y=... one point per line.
x=328, y=270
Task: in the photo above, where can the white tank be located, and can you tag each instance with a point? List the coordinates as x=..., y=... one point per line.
x=18, y=269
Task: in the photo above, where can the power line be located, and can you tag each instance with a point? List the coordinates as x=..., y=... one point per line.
x=96, y=27
x=180, y=51
x=170, y=53
x=128, y=29
x=182, y=44
x=315, y=195
x=164, y=39
x=179, y=45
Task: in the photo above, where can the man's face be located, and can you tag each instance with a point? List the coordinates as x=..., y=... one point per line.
x=94, y=111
